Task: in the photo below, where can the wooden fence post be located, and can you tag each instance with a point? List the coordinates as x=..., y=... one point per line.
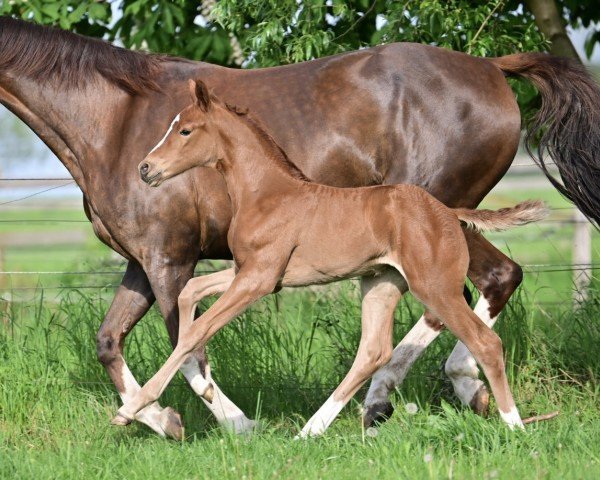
x=582, y=257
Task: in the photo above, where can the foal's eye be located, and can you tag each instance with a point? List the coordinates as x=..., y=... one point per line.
x=185, y=132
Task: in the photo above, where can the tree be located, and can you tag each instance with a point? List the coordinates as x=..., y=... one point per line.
x=176, y=27
x=284, y=31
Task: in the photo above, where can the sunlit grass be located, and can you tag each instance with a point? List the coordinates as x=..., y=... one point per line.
x=279, y=361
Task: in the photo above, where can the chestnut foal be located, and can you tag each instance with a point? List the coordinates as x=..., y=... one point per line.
x=289, y=232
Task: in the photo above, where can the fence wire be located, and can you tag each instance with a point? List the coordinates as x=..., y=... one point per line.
x=529, y=268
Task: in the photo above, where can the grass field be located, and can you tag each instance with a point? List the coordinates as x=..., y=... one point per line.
x=279, y=362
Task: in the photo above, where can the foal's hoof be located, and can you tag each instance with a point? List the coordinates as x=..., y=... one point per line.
x=377, y=413
x=171, y=423
x=480, y=403
x=120, y=420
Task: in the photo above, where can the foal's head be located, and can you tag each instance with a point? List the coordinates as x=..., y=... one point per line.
x=192, y=140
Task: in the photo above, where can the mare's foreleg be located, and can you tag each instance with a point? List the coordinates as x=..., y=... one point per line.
x=132, y=300
x=380, y=297
x=244, y=291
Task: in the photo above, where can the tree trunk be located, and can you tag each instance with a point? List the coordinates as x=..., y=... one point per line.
x=552, y=25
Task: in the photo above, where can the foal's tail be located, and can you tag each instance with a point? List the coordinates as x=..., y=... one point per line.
x=567, y=126
x=521, y=214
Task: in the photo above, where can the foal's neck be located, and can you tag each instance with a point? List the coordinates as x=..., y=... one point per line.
x=253, y=165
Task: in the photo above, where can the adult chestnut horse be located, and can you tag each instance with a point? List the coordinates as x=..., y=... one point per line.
x=400, y=113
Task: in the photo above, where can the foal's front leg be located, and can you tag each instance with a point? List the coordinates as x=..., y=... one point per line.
x=245, y=289
x=227, y=413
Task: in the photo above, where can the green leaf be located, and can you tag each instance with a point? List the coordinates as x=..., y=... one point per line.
x=98, y=11
x=51, y=9
x=168, y=19
x=78, y=13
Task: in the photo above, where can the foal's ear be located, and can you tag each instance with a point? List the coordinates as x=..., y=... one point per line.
x=200, y=94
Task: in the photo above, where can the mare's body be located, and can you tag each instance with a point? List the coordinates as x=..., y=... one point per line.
x=289, y=232
x=397, y=113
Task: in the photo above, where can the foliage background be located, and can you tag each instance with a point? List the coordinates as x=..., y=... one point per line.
x=268, y=32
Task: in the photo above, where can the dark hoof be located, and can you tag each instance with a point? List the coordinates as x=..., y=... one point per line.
x=172, y=424
x=377, y=413
x=480, y=403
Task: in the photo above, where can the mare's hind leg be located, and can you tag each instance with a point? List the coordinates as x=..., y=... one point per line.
x=380, y=297
x=496, y=276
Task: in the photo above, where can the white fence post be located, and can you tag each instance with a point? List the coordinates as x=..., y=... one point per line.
x=582, y=257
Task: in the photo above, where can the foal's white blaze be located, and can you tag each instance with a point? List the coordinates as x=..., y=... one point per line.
x=323, y=418
x=512, y=418
x=404, y=355
x=461, y=367
x=175, y=120
x=226, y=412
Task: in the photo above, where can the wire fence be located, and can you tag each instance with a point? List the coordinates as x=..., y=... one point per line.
x=563, y=216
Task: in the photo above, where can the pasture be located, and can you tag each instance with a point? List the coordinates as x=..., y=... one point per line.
x=279, y=362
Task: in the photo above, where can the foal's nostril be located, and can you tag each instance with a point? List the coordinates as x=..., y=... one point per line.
x=144, y=167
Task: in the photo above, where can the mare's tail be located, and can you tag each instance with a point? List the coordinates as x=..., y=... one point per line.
x=521, y=214
x=568, y=124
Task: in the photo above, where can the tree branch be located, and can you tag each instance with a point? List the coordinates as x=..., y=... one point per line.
x=552, y=25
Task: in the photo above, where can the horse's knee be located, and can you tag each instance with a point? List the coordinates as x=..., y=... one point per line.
x=107, y=347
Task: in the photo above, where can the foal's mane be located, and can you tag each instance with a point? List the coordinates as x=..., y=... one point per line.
x=72, y=60
x=266, y=139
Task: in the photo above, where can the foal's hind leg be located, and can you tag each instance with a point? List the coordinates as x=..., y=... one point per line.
x=449, y=306
x=380, y=297
x=496, y=277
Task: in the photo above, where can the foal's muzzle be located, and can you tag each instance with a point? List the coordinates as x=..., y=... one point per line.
x=146, y=174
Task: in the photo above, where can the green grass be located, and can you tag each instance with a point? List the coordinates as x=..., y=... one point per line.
x=279, y=361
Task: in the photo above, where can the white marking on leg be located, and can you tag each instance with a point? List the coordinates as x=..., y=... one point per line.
x=403, y=357
x=150, y=415
x=461, y=367
x=191, y=372
x=226, y=412
x=512, y=418
x=319, y=422
x=175, y=120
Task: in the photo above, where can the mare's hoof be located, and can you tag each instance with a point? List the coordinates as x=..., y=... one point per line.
x=120, y=420
x=377, y=413
x=171, y=423
x=480, y=403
